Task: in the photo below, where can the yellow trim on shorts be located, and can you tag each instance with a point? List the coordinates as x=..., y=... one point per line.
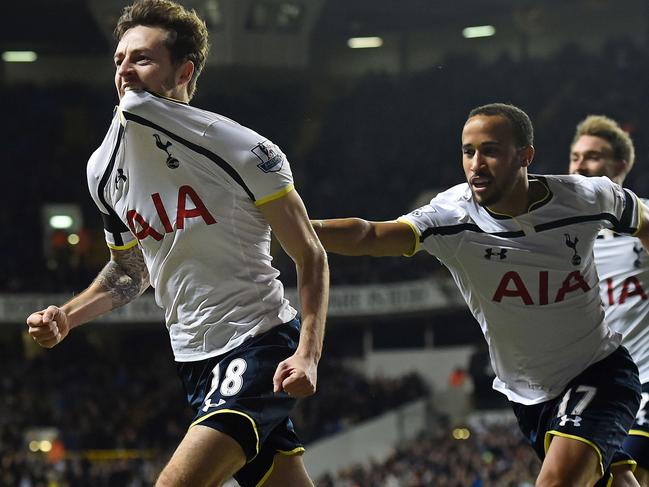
x=414, y=230
x=127, y=246
x=263, y=480
x=275, y=196
x=220, y=411
x=546, y=445
x=292, y=453
x=631, y=462
x=639, y=433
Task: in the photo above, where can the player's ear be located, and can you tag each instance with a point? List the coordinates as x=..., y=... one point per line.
x=621, y=167
x=526, y=155
x=185, y=72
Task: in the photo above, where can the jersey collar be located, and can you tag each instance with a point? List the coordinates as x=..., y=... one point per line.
x=542, y=201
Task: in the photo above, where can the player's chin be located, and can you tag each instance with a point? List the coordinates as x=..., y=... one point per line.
x=487, y=195
x=482, y=196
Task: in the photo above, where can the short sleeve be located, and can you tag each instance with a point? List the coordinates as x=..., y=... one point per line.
x=269, y=173
x=435, y=226
x=117, y=234
x=620, y=205
x=261, y=165
x=420, y=220
x=440, y=223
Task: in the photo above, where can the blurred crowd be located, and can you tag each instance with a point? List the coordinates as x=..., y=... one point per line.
x=347, y=397
x=374, y=147
x=492, y=456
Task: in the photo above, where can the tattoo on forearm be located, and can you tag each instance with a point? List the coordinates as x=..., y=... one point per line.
x=125, y=277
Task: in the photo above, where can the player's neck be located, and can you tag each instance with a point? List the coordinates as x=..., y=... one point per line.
x=521, y=197
x=526, y=196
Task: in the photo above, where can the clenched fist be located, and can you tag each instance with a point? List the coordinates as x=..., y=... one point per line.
x=48, y=327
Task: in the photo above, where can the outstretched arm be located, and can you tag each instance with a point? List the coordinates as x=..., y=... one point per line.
x=288, y=218
x=354, y=236
x=124, y=278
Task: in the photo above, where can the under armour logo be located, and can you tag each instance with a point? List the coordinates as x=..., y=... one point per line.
x=489, y=253
x=576, y=421
x=172, y=162
x=638, y=249
x=120, y=177
x=576, y=258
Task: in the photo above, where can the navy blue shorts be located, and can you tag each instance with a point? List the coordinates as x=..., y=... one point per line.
x=233, y=393
x=597, y=407
x=637, y=443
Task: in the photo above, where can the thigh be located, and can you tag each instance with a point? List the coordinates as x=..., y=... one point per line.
x=205, y=457
x=642, y=475
x=280, y=445
x=622, y=476
x=570, y=459
x=288, y=470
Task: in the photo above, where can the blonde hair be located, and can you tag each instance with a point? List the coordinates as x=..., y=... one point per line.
x=609, y=130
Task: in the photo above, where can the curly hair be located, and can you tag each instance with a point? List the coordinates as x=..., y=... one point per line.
x=187, y=38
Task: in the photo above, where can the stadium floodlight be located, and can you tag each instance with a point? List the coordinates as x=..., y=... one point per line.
x=478, y=31
x=461, y=434
x=364, y=42
x=45, y=446
x=61, y=222
x=19, y=56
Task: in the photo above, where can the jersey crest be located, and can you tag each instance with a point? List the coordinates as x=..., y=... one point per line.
x=172, y=162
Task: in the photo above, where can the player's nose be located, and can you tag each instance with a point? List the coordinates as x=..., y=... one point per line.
x=476, y=161
x=124, y=68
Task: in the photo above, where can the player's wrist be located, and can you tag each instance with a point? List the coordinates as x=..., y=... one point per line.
x=309, y=354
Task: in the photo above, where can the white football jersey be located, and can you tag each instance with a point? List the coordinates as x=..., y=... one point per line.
x=623, y=268
x=185, y=184
x=530, y=281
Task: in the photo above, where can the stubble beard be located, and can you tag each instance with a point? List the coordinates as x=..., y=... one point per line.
x=499, y=191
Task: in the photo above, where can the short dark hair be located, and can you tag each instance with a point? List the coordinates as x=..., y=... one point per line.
x=609, y=130
x=522, y=128
x=188, y=36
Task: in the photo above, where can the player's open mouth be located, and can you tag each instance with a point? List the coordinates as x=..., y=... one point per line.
x=480, y=183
